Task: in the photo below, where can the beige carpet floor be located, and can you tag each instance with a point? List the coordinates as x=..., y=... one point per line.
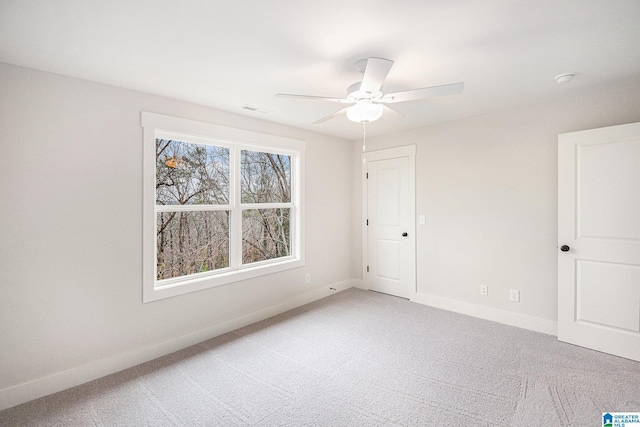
x=356, y=358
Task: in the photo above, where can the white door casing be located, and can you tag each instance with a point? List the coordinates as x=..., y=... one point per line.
x=389, y=214
x=599, y=239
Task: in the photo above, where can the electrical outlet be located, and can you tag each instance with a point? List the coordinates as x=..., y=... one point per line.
x=484, y=290
x=514, y=295
x=307, y=278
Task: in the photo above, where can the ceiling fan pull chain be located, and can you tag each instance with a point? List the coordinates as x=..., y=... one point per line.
x=364, y=137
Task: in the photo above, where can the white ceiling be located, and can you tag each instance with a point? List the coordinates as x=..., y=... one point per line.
x=230, y=53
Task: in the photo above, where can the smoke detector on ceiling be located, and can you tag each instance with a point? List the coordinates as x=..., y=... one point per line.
x=564, y=78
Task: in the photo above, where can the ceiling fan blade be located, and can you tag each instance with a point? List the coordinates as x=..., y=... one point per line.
x=314, y=98
x=424, y=93
x=392, y=112
x=330, y=116
x=375, y=72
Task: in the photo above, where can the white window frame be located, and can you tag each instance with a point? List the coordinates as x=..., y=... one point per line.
x=167, y=127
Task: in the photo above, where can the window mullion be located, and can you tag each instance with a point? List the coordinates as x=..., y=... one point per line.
x=235, y=229
x=191, y=208
x=266, y=206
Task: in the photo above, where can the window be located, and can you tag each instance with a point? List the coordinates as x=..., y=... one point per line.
x=220, y=205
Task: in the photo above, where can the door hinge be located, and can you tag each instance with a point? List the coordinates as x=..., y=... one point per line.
x=367, y=222
x=367, y=175
x=367, y=268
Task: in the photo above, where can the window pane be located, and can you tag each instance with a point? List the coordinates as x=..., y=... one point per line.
x=190, y=174
x=191, y=242
x=265, y=234
x=265, y=177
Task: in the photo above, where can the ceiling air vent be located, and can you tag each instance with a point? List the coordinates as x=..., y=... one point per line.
x=255, y=109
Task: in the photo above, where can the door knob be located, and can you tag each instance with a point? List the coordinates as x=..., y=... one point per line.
x=564, y=248
x=404, y=234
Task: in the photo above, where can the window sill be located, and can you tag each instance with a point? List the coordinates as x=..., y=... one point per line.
x=170, y=288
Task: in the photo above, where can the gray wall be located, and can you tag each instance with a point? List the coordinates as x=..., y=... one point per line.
x=488, y=188
x=71, y=227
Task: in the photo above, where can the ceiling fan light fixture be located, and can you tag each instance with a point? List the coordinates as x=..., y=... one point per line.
x=364, y=111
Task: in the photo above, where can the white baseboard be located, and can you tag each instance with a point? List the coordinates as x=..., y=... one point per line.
x=54, y=383
x=510, y=318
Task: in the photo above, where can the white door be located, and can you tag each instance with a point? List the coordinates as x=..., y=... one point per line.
x=391, y=228
x=599, y=239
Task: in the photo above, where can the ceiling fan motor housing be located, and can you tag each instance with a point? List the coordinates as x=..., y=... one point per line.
x=354, y=93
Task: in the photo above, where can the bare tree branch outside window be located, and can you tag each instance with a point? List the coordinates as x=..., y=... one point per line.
x=265, y=178
x=194, y=241
x=195, y=238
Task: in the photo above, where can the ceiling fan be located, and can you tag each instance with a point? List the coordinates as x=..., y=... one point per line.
x=369, y=102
